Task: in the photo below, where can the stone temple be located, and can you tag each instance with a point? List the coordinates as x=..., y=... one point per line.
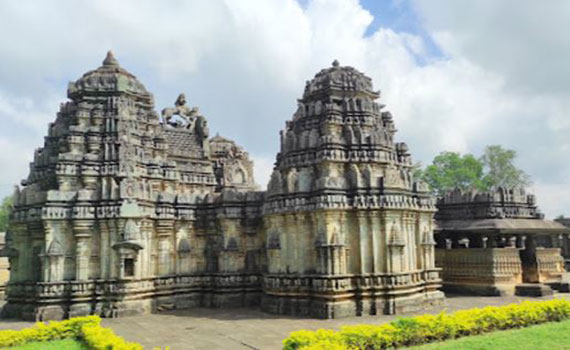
x=498, y=243
x=126, y=211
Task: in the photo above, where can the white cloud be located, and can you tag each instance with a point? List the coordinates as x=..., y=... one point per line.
x=503, y=79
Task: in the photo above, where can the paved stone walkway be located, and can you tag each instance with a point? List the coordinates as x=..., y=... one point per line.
x=243, y=329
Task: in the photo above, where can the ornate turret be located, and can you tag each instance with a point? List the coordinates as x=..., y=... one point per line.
x=108, y=78
x=340, y=140
x=340, y=174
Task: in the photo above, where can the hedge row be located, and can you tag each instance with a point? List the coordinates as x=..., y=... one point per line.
x=87, y=329
x=428, y=328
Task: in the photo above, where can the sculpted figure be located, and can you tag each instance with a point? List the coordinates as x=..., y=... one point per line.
x=187, y=114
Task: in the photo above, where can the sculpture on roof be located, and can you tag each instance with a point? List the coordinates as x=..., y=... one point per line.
x=187, y=114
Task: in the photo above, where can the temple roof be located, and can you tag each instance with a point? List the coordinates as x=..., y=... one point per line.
x=499, y=203
x=339, y=80
x=184, y=143
x=108, y=78
x=502, y=210
x=502, y=225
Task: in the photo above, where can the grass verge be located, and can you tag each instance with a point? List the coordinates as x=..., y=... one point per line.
x=549, y=336
x=64, y=344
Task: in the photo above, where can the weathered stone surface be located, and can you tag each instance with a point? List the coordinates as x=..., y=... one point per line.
x=490, y=242
x=349, y=231
x=124, y=212
x=533, y=290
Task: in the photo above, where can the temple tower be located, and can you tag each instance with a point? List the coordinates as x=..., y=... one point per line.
x=348, y=229
x=118, y=201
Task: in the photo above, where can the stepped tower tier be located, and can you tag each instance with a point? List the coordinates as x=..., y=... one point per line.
x=344, y=217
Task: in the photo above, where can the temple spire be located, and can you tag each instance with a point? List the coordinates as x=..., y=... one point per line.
x=110, y=60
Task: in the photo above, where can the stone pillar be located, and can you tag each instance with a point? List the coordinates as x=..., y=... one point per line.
x=164, y=233
x=104, y=251
x=491, y=241
x=82, y=232
x=365, y=259
x=511, y=242
x=428, y=249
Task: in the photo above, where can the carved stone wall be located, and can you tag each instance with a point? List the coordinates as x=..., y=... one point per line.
x=349, y=231
x=482, y=271
x=125, y=212
x=490, y=242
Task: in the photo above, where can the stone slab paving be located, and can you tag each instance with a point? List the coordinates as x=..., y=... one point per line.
x=246, y=329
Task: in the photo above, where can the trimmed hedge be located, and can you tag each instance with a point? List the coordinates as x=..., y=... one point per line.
x=86, y=329
x=429, y=328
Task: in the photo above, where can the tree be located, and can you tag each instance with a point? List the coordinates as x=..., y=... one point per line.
x=450, y=170
x=500, y=169
x=5, y=210
x=494, y=168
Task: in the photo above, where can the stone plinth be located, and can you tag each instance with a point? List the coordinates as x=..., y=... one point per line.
x=480, y=271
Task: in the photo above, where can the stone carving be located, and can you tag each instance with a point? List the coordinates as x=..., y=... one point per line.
x=344, y=167
x=187, y=114
x=123, y=211
x=494, y=242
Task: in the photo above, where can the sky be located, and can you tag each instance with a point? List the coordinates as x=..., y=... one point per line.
x=456, y=75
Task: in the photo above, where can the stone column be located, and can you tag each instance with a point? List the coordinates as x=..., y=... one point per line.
x=104, y=252
x=491, y=241
x=512, y=242
x=164, y=231
x=365, y=259
x=82, y=232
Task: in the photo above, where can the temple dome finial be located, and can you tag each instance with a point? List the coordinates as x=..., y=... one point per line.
x=335, y=63
x=110, y=59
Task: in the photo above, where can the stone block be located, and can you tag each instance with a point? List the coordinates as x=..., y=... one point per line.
x=533, y=290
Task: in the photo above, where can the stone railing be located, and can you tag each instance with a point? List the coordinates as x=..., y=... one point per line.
x=480, y=265
x=550, y=264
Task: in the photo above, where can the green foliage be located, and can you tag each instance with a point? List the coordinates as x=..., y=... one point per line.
x=429, y=328
x=500, y=168
x=87, y=330
x=64, y=344
x=43, y=332
x=5, y=210
x=551, y=336
x=99, y=338
x=451, y=170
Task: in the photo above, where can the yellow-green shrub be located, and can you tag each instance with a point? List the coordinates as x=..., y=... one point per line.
x=428, y=328
x=45, y=332
x=303, y=338
x=100, y=338
x=86, y=329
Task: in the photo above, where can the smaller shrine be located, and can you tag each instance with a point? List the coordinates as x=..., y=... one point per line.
x=497, y=243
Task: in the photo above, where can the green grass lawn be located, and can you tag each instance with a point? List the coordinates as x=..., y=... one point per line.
x=550, y=336
x=65, y=344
